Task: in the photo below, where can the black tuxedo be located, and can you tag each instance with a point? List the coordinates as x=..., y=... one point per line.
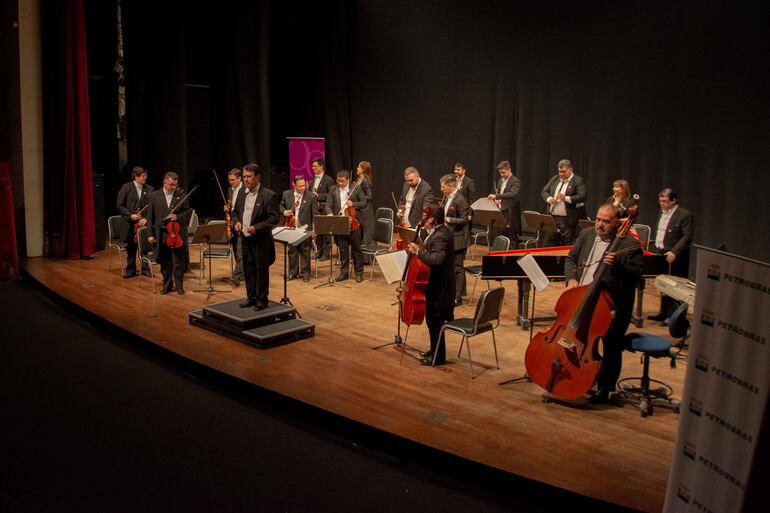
x=172, y=260
x=677, y=239
x=130, y=202
x=333, y=206
x=304, y=217
x=575, y=208
x=468, y=189
x=511, y=206
x=321, y=193
x=259, y=248
x=620, y=282
x=456, y=218
x=440, y=292
x=366, y=214
x=235, y=240
x=423, y=197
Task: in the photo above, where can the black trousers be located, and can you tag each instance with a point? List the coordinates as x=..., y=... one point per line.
x=256, y=269
x=172, y=262
x=435, y=320
x=567, y=232
x=460, y=273
x=613, y=344
x=301, y=253
x=345, y=243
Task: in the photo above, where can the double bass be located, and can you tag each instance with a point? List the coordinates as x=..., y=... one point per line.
x=565, y=359
x=411, y=293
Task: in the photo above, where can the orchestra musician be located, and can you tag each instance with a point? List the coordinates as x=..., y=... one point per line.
x=436, y=253
x=673, y=235
x=625, y=269
x=299, y=205
x=255, y=214
x=465, y=183
x=171, y=259
x=319, y=186
x=340, y=199
x=506, y=196
x=456, y=209
x=415, y=196
x=565, y=194
x=621, y=197
x=132, y=198
x=235, y=189
x=365, y=181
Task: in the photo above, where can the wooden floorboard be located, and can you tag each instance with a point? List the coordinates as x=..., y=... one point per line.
x=607, y=453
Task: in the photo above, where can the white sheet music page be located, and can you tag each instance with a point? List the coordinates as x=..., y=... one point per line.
x=392, y=265
x=484, y=204
x=536, y=275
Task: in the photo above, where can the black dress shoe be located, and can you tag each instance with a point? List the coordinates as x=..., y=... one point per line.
x=146, y=272
x=164, y=291
x=129, y=274
x=657, y=317
x=235, y=282
x=429, y=361
x=291, y=277
x=427, y=354
x=341, y=277
x=306, y=278
x=458, y=301
x=180, y=291
x=260, y=306
x=359, y=278
x=247, y=303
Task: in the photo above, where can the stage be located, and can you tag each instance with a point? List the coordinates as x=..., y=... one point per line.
x=607, y=453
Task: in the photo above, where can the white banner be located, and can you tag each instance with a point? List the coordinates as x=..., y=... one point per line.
x=726, y=387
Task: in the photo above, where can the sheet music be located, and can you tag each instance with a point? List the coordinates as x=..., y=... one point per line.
x=536, y=275
x=291, y=236
x=482, y=204
x=392, y=265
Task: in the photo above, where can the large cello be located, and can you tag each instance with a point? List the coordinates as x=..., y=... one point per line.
x=411, y=293
x=565, y=359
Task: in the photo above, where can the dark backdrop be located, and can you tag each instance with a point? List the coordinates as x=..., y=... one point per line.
x=661, y=93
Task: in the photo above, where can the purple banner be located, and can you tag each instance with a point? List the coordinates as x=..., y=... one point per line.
x=302, y=151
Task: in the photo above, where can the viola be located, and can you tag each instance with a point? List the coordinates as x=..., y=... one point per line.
x=174, y=237
x=414, y=283
x=565, y=359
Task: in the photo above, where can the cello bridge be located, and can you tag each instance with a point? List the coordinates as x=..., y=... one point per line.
x=566, y=344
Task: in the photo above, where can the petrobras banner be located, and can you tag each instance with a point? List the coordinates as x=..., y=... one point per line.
x=302, y=151
x=726, y=386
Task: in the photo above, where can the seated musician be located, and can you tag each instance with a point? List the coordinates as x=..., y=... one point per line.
x=625, y=268
x=298, y=205
x=338, y=202
x=438, y=254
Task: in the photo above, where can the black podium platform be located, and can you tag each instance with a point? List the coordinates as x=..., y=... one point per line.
x=275, y=325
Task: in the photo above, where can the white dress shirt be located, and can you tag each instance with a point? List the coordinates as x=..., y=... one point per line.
x=665, y=218
x=248, y=211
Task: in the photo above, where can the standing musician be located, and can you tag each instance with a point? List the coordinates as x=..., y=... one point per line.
x=465, y=183
x=298, y=204
x=625, y=269
x=161, y=202
x=132, y=198
x=436, y=253
x=673, y=234
x=416, y=195
x=235, y=190
x=319, y=186
x=565, y=194
x=506, y=196
x=255, y=214
x=341, y=198
x=365, y=181
x=456, y=210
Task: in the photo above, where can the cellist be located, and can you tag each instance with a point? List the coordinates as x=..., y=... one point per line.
x=161, y=202
x=625, y=269
x=339, y=202
x=437, y=252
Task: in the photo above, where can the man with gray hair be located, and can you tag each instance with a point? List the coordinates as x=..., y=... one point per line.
x=456, y=208
x=565, y=194
x=417, y=193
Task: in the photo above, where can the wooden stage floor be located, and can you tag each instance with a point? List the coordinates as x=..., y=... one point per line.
x=607, y=453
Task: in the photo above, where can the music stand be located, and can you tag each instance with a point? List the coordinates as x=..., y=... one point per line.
x=489, y=218
x=289, y=237
x=408, y=235
x=585, y=223
x=331, y=225
x=206, y=233
x=544, y=223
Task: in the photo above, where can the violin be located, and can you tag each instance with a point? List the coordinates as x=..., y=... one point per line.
x=351, y=211
x=228, y=206
x=565, y=360
x=414, y=283
x=174, y=238
x=291, y=221
x=136, y=224
x=400, y=209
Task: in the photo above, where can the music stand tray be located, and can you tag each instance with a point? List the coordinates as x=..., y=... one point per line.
x=331, y=225
x=408, y=235
x=543, y=223
x=207, y=233
x=289, y=237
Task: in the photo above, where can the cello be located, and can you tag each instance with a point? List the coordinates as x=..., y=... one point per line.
x=411, y=293
x=565, y=359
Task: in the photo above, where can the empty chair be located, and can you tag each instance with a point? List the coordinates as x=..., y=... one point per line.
x=528, y=235
x=643, y=231
x=502, y=243
x=216, y=249
x=384, y=213
x=147, y=255
x=117, y=229
x=383, y=234
x=478, y=232
x=486, y=318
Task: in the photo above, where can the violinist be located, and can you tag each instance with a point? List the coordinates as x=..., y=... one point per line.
x=132, y=198
x=415, y=196
x=365, y=182
x=162, y=226
x=625, y=269
x=298, y=205
x=255, y=215
x=235, y=189
x=347, y=200
x=320, y=185
x=437, y=252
